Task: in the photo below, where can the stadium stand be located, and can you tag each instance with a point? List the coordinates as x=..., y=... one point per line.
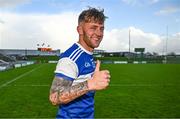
x=12, y=61
x=6, y=62
x=29, y=52
x=6, y=58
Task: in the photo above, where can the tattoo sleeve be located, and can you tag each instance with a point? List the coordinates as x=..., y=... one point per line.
x=67, y=92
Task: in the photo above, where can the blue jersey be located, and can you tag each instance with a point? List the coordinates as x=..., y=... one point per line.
x=76, y=64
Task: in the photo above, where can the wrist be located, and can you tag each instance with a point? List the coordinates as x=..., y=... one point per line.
x=90, y=84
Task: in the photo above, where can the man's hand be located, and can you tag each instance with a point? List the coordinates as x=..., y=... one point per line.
x=100, y=79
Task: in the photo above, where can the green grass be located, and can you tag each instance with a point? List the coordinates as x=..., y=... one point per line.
x=142, y=90
x=28, y=95
x=150, y=90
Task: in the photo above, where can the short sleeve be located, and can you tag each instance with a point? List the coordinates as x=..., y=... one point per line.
x=67, y=69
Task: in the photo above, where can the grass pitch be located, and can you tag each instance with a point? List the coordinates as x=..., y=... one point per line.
x=141, y=90
x=27, y=95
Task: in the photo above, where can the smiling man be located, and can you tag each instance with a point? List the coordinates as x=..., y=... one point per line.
x=76, y=75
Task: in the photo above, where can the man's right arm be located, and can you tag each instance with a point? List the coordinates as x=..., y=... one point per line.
x=62, y=91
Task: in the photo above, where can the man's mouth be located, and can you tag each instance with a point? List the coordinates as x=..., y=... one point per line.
x=96, y=39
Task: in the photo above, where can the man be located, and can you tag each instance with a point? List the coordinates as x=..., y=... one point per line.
x=76, y=76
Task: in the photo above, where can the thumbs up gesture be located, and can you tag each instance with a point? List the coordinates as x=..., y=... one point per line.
x=100, y=80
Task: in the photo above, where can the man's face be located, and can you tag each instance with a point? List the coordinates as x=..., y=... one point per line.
x=93, y=34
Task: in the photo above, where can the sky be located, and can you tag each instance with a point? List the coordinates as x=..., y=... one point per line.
x=151, y=24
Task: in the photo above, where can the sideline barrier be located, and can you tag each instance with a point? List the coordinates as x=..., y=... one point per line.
x=2, y=68
x=53, y=61
x=139, y=62
x=120, y=62
x=6, y=67
x=23, y=63
x=123, y=62
x=15, y=65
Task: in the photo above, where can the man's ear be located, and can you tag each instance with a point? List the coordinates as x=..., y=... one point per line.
x=80, y=30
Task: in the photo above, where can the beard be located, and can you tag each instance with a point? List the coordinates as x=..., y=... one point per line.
x=90, y=41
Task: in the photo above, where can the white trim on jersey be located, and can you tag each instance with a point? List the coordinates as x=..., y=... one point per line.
x=67, y=67
x=75, y=56
x=82, y=78
x=74, y=52
x=88, y=52
x=78, y=56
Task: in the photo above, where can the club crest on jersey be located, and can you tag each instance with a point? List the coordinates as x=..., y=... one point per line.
x=87, y=64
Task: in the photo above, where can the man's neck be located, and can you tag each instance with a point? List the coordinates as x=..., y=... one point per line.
x=85, y=46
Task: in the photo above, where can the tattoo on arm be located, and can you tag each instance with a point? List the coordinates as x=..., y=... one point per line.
x=67, y=92
x=59, y=85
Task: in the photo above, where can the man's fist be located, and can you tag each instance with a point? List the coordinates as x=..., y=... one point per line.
x=100, y=80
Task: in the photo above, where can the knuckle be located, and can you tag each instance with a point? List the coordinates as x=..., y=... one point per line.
x=106, y=71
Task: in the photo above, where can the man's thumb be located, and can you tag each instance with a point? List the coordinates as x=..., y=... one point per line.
x=98, y=63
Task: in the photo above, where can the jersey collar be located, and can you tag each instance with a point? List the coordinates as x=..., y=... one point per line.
x=88, y=52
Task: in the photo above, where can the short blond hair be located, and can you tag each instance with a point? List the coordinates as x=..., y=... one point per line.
x=92, y=15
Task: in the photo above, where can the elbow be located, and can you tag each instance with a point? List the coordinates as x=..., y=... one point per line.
x=55, y=100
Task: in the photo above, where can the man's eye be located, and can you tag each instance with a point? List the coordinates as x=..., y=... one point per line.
x=102, y=29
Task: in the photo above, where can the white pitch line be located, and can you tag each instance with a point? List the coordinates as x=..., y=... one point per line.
x=33, y=85
x=14, y=79
x=139, y=85
x=111, y=85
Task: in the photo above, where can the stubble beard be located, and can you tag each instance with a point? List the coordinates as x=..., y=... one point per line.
x=89, y=41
